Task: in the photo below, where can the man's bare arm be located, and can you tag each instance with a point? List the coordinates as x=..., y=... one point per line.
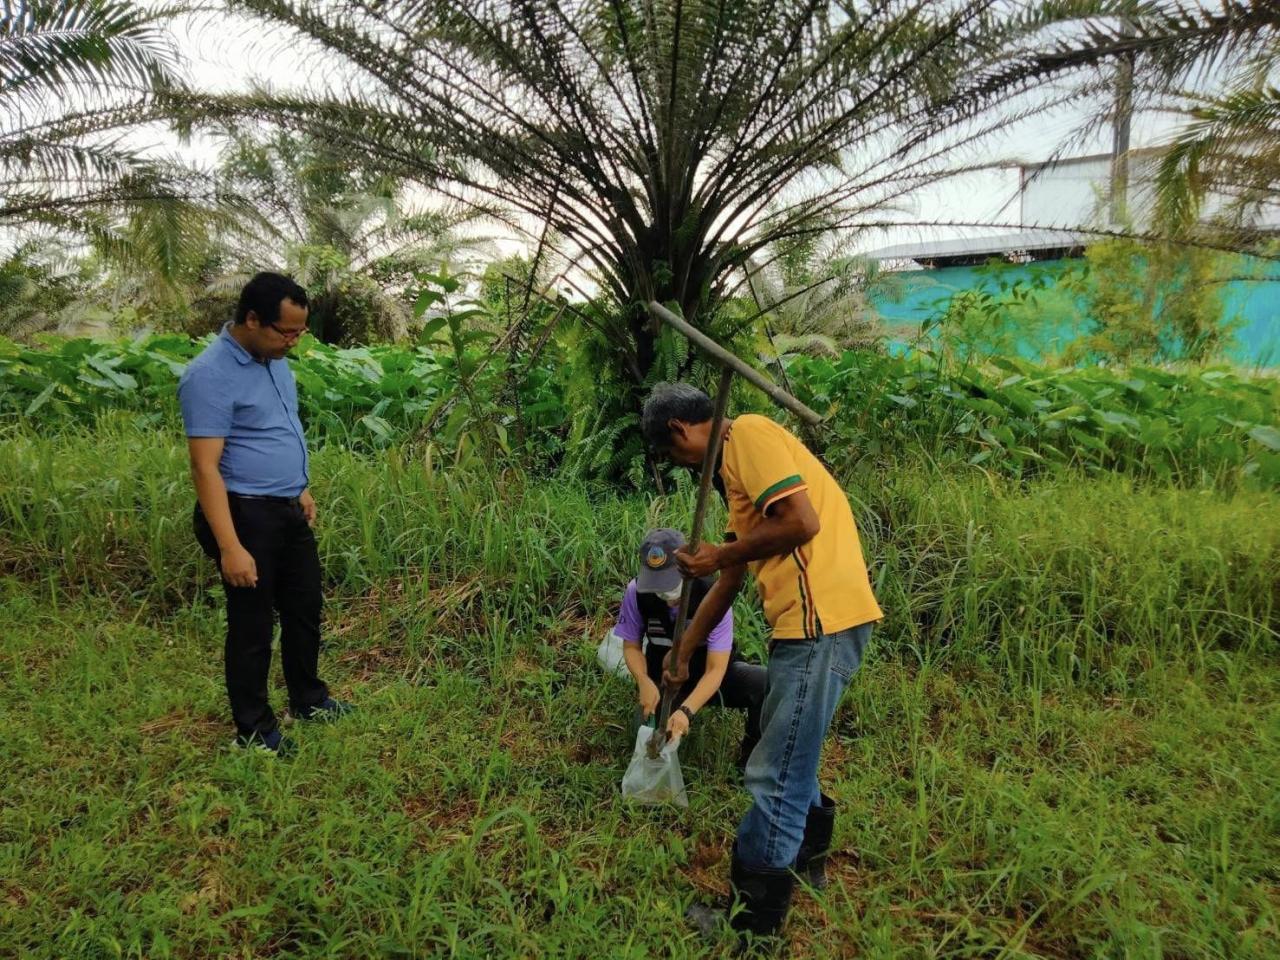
x=791, y=522
x=238, y=566
x=711, y=611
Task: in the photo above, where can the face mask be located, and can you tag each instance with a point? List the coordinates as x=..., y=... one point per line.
x=671, y=596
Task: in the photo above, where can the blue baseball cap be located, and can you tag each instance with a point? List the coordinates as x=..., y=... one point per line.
x=658, y=570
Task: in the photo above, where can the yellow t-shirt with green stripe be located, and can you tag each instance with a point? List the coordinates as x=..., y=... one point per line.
x=823, y=586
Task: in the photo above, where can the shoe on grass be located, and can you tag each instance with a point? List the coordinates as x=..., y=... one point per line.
x=326, y=711
x=273, y=742
x=759, y=900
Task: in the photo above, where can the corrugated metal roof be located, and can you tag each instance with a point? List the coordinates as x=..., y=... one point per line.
x=977, y=246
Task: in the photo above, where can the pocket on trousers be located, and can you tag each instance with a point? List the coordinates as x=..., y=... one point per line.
x=847, y=648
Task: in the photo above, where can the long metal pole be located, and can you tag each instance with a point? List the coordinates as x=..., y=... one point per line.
x=709, y=460
x=727, y=359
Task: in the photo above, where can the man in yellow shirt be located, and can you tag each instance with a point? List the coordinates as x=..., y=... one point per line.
x=789, y=524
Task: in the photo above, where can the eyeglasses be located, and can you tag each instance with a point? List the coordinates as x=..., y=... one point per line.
x=290, y=336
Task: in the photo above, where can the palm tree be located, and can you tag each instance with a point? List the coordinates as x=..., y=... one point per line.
x=345, y=231
x=1228, y=148
x=77, y=80
x=668, y=144
x=815, y=295
x=39, y=279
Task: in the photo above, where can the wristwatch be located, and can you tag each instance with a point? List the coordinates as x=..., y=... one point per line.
x=686, y=711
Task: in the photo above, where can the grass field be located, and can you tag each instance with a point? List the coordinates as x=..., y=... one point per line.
x=1064, y=742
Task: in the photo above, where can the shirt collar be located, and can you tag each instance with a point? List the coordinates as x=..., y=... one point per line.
x=242, y=355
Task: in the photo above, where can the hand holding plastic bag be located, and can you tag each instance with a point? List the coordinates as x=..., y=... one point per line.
x=657, y=779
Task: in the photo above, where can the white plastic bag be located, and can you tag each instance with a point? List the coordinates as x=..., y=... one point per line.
x=654, y=780
x=609, y=654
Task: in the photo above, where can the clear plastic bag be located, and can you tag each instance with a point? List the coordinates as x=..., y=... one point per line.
x=654, y=780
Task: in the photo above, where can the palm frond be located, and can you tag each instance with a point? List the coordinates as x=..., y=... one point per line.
x=75, y=76
x=48, y=49
x=1228, y=146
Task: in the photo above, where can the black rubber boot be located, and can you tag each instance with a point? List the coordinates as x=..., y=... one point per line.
x=765, y=898
x=744, y=751
x=811, y=861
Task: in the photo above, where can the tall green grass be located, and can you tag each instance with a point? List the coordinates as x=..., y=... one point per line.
x=1063, y=743
x=1066, y=578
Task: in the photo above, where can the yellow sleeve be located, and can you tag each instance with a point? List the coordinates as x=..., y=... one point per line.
x=759, y=462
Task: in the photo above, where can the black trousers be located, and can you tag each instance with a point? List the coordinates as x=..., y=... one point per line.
x=741, y=689
x=277, y=536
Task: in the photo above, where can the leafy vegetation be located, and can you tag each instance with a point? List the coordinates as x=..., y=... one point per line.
x=1124, y=301
x=1153, y=302
x=363, y=396
x=1003, y=317
x=1200, y=426
x=1195, y=426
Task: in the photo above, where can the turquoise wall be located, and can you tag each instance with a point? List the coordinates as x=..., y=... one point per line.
x=921, y=294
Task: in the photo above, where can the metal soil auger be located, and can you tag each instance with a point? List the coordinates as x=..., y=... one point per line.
x=695, y=538
x=729, y=365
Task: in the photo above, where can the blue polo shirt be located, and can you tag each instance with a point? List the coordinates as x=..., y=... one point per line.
x=225, y=392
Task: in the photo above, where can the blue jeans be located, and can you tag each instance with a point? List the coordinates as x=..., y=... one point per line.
x=807, y=678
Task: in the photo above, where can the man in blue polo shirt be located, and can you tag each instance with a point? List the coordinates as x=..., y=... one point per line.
x=254, y=513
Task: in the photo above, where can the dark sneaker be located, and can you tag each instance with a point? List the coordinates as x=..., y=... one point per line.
x=274, y=743
x=326, y=711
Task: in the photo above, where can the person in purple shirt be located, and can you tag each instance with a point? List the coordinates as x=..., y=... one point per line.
x=254, y=510
x=646, y=625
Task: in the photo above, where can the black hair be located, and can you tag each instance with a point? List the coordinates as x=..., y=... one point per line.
x=672, y=401
x=264, y=294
